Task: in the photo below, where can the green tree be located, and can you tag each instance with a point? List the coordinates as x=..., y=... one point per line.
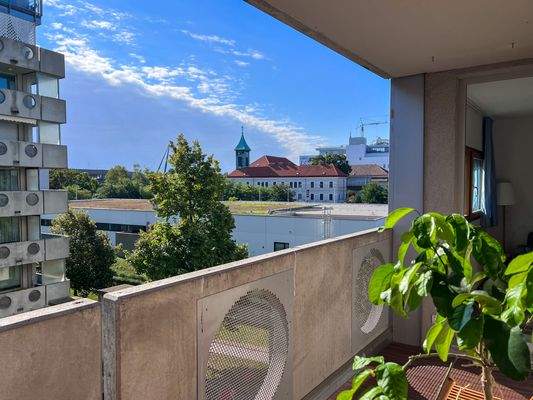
x=280, y=193
x=119, y=184
x=373, y=193
x=201, y=236
x=339, y=160
x=484, y=309
x=63, y=178
x=91, y=256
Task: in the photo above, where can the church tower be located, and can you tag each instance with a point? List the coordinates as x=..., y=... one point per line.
x=242, y=153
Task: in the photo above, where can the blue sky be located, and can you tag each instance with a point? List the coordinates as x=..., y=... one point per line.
x=139, y=73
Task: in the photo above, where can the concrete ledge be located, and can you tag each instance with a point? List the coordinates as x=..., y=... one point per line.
x=204, y=273
x=42, y=314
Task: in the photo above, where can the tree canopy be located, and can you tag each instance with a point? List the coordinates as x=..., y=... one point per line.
x=201, y=235
x=119, y=184
x=339, y=160
x=373, y=193
x=239, y=191
x=91, y=255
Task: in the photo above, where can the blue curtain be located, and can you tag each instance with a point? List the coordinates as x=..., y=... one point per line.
x=490, y=202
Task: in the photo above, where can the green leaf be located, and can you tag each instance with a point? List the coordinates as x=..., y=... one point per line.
x=372, y=393
x=520, y=264
x=488, y=303
x=460, y=298
x=357, y=381
x=407, y=238
x=405, y=283
x=462, y=315
x=529, y=291
x=433, y=333
x=392, y=379
x=444, y=341
x=423, y=283
x=444, y=230
x=507, y=348
x=514, y=313
x=379, y=282
x=462, y=230
x=397, y=215
x=442, y=298
x=361, y=362
x=471, y=334
x=489, y=253
x=425, y=231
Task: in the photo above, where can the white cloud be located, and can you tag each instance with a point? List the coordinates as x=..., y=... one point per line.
x=95, y=24
x=209, y=38
x=200, y=88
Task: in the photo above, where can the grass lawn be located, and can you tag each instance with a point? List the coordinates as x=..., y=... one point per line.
x=125, y=273
x=259, y=207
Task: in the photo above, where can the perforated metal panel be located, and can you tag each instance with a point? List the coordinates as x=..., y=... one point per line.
x=245, y=343
x=17, y=29
x=368, y=320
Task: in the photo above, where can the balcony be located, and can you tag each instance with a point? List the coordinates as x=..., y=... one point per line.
x=29, y=8
x=24, y=203
x=21, y=57
x=25, y=107
x=48, y=248
x=22, y=301
x=32, y=155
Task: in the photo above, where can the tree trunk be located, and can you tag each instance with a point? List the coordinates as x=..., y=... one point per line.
x=486, y=382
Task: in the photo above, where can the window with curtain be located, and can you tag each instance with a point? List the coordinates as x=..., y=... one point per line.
x=474, y=183
x=9, y=179
x=9, y=229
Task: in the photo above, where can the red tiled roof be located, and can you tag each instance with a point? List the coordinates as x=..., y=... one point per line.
x=372, y=170
x=280, y=167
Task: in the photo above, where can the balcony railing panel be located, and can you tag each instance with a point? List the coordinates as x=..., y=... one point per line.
x=24, y=203
x=22, y=105
x=28, y=155
x=273, y=327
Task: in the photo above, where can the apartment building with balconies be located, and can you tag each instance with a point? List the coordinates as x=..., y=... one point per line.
x=32, y=264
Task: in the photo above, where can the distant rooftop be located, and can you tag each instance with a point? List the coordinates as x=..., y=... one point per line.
x=366, y=211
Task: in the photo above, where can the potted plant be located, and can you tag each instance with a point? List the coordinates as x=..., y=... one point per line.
x=481, y=303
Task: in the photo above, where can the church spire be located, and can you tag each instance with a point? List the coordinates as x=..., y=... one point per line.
x=242, y=152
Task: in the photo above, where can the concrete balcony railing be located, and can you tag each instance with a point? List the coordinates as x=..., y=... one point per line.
x=23, y=58
x=24, y=203
x=284, y=325
x=31, y=107
x=48, y=248
x=32, y=155
x=22, y=301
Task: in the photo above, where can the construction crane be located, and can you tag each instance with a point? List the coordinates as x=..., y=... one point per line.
x=362, y=125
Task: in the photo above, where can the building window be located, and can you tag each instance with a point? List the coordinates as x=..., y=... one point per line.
x=321, y=196
x=330, y=184
x=299, y=196
x=10, y=278
x=280, y=246
x=299, y=184
x=7, y=82
x=312, y=196
x=312, y=185
x=9, y=179
x=266, y=184
x=259, y=183
x=474, y=178
x=321, y=185
x=291, y=185
x=9, y=230
x=330, y=197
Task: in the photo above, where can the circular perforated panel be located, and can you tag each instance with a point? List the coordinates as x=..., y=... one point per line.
x=4, y=252
x=32, y=199
x=366, y=314
x=34, y=248
x=3, y=148
x=248, y=354
x=29, y=101
x=34, y=296
x=31, y=150
x=5, y=302
x=4, y=200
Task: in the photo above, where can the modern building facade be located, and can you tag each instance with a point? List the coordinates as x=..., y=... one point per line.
x=309, y=183
x=32, y=265
x=357, y=152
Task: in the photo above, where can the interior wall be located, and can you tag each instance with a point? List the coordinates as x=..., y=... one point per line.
x=474, y=127
x=513, y=142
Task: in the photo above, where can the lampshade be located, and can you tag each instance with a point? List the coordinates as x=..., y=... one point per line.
x=505, y=194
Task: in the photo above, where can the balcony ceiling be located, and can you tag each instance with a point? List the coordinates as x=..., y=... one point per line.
x=396, y=38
